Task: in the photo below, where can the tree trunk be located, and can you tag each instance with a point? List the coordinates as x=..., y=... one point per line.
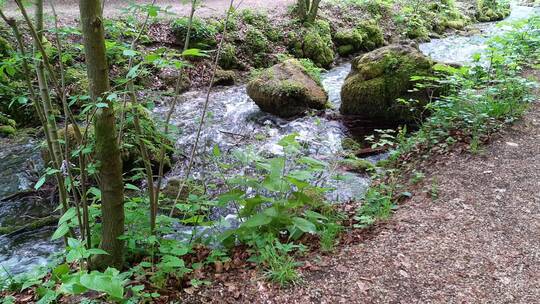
x=107, y=150
x=53, y=144
x=313, y=10
x=301, y=9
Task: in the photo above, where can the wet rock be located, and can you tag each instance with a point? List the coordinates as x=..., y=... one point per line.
x=380, y=77
x=168, y=78
x=224, y=78
x=286, y=90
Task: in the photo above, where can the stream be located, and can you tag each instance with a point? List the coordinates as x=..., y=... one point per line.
x=235, y=122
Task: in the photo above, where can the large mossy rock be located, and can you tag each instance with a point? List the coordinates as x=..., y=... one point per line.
x=366, y=36
x=314, y=42
x=286, y=90
x=492, y=10
x=378, y=78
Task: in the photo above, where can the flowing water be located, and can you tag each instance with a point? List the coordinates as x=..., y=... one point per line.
x=234, y=122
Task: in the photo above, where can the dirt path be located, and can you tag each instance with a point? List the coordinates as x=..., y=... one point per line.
x=68, y=10
x=478, y=242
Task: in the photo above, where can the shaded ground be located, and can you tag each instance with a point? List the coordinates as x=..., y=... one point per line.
x=477, y=242
x=68, y=10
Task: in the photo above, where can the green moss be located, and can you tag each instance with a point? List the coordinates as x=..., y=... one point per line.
x=311, y=69
x=39, y=223
x=4, y=120
x=7, y=130
x=256, y=41
x=315, y=43
x=492, y=10
x=365, y=37
x=202, y=34
x=5, y=47
x=357, y=164
x=77, y=79
x=350, y=144
x=345, y=50
x=373, y=35
x=353, y=38
x=378, y=79
x=130, y=152
x=224, y=78
x=227, y=59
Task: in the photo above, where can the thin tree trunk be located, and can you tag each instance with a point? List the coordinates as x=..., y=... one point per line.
x=56, y=152
x=313, y=10
x=107, y=150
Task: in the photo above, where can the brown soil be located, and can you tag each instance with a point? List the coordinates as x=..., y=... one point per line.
x=478, y=241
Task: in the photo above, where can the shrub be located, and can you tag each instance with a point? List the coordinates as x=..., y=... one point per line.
x=202, y=34
x=256, y=41
x=227, y=59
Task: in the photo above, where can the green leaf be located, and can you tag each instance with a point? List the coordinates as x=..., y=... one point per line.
x=40, y=182
x=74, y=255
x=304, y=225
x=96, y=251
x=131, y=187
x=257, y=220
x=30, y=283
x=60, y=270
x=70, y=213
x=103, y=282
x=194, y=52
x=129, y=53
x=215, y=151
x=171, y=261
x=60, y=231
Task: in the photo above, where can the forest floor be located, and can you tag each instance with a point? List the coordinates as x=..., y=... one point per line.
x=68, y=10
x=477, y=241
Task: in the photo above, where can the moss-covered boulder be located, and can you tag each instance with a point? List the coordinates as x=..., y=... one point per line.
x=7, y=126
x=286, y=90
x=380, y=77
x=224, y=78
x=366, y=36
x=314, y=42
x=492, y=10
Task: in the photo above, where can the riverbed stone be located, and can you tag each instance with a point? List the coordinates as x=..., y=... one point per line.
x=224, y=77
x=378, y=78
x=286, y=90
